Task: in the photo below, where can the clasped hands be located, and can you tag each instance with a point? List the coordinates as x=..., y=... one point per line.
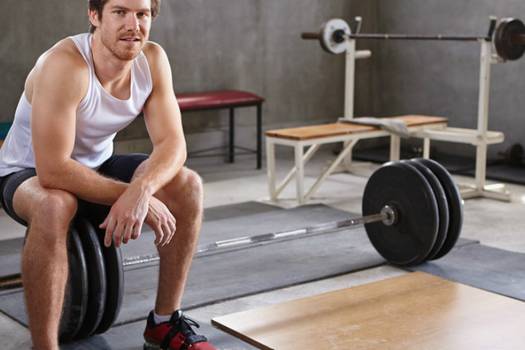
x=130, y=211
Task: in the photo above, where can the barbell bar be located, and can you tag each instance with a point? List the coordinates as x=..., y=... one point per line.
x=387, y=216
x=508, y=36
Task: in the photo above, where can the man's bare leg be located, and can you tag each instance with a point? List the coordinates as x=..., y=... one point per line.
x=183, y=196
x=44, y=258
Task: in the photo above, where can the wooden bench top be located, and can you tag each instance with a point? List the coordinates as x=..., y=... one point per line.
x=412, y=312
x=342, y=128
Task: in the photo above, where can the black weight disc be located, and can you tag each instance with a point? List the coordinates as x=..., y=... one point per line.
x=455, y=205
x=96, y=270
x=76, y=293
x=115, y=283
x=410, y=239
x=507, y=30
x=442, y=203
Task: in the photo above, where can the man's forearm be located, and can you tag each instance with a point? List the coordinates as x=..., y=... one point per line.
x=85, y=183
x=163, y=164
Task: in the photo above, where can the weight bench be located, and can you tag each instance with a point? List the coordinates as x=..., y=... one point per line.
x=226, y=99
x=316, y=135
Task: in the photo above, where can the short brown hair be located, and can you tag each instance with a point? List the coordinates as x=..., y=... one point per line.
x=98, y=5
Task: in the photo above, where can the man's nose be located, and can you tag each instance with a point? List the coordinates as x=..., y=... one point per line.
x=132, y=22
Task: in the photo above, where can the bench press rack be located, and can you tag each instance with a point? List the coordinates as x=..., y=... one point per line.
x=431, y=129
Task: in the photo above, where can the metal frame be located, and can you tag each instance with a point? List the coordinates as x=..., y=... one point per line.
x=302, y=157
x=480, y=137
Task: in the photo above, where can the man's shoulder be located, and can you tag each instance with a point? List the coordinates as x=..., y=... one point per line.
x=64, y=55
x=153, y=51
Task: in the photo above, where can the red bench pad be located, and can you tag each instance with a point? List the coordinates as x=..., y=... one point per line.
x=216, y=100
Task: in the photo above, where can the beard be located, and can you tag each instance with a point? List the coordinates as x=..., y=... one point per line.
x=123, y=50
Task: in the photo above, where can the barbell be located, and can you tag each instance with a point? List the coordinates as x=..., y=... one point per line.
x=508, y=36
x=412, y=212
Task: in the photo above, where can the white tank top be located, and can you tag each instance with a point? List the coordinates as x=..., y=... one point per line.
x=99, y=116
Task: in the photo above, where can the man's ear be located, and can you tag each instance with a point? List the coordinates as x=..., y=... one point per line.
x=93, y=18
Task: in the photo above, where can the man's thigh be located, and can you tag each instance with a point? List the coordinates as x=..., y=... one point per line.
x=17, y=190
x=22, y=185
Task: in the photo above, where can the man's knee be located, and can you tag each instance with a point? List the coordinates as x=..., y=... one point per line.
x=185, y=190
x=193, y=182
x=54, y=210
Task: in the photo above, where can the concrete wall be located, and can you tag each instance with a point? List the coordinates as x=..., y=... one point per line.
x=212, y=44
x=442, y=78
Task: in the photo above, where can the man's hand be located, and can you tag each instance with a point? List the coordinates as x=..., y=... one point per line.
x=162, y=222
x=130, y=211
x=126, y=216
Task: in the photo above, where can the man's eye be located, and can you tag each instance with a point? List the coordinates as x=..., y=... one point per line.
x=141, y=15
x=119, y=12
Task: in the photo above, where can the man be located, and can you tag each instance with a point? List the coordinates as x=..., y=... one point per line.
x=58, y=158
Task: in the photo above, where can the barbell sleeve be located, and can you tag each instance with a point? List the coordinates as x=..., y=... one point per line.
x=310, y=36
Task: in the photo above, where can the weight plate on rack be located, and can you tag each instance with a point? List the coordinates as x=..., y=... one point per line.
x=333, y=36
x=504, y=39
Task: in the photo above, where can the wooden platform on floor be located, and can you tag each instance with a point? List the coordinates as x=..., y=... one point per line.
x=414, y=311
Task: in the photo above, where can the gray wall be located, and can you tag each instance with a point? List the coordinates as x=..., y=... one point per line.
x=442, y=78
x=212, y=44
x=255, y=45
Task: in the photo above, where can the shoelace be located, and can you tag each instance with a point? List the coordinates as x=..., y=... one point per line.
x=183, y=325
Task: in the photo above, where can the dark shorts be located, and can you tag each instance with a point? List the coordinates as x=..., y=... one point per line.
x=119, y=167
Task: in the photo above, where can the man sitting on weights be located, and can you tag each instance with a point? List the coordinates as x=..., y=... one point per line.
x=57, y=161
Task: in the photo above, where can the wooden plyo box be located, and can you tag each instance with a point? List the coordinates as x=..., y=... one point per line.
x=414, y=311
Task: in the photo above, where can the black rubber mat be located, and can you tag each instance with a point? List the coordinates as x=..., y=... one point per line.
x=502, y=172
x=244, y=272
x=492, y=269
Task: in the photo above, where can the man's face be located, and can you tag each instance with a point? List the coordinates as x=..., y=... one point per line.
x=124, y=27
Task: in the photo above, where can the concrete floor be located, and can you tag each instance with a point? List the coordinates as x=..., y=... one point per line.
x=494, y=223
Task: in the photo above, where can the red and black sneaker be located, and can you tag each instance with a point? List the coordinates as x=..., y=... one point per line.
x=176, y=334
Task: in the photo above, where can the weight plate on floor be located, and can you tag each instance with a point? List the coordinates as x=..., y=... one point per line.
x=76, y=293
x=97, y=280
x=442, y=203
x=410, y=239
x=115, y=283
x=455, y=205
x=504, y=39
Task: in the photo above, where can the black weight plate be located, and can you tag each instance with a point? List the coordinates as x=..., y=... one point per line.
x=507, y=30
x=442, y=202
x=455, y=205
x=97, y=280
x=115, y=283
x=76, y=293
x=411, y=238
